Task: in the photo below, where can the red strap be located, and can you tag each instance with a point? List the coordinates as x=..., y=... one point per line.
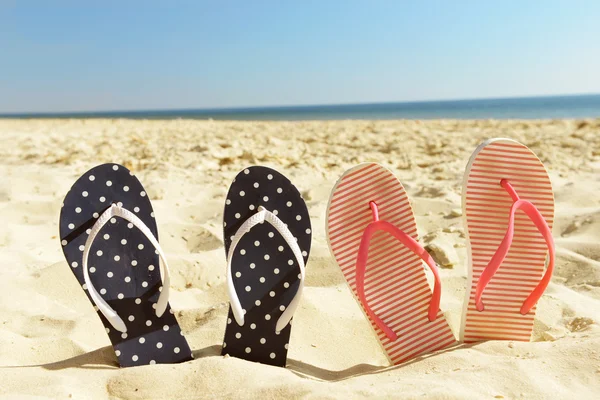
x=361, y=265
x=538, y=219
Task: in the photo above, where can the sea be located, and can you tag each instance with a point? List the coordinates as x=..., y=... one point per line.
x=549, y=107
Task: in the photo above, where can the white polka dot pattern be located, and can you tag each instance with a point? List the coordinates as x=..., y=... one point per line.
x=264, y=280
x=119, y=265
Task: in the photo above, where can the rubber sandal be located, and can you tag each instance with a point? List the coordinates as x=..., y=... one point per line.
x=508, y=210
x=267, y=242
x=372, y=234
x=109, y=238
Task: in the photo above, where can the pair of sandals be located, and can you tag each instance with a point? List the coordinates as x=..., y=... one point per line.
x=109, y=238
x=372, y=234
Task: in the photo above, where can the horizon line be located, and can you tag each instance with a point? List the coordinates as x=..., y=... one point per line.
x=278, y=107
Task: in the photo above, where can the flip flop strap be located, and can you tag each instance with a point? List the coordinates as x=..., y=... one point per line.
x=109, y=313
x=412, y=245
x=490, y=270
x=261, y=216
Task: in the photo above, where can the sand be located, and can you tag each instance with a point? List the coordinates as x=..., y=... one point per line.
x=52, y=344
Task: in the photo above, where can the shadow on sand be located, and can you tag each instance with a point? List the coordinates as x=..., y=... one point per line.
x=309, y=371
x=104, y=358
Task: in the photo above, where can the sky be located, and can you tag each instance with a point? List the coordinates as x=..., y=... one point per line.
x=142, y=55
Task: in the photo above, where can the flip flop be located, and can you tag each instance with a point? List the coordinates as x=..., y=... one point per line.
x=507, y=248
x=267, y=241
x=109, y=238
x=372, y=234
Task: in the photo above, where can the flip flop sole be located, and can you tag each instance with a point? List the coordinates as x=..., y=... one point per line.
x=265, y=271
x=486, y=207
x=395, y=282
x=123, y=265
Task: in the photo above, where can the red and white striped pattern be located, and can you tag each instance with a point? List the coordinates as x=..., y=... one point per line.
x=395, y=283
x=486, y=208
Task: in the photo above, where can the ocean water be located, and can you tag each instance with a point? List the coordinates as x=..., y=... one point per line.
x=551, y=107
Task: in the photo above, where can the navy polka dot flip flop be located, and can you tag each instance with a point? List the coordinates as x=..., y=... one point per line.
x=109, y=238
x=267, y=241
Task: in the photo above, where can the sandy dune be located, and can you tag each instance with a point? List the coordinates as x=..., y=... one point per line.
x=53, y=345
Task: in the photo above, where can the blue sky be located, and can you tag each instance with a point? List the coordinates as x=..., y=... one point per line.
x=211, y=54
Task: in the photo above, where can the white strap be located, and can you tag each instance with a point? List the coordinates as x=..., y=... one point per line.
x=258, y=218
x=110, y=314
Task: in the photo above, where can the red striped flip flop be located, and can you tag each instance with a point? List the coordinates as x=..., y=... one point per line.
x=508, y=209
x=372, y=234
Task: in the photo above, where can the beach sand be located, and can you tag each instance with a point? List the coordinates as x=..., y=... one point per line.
x=52, y=343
